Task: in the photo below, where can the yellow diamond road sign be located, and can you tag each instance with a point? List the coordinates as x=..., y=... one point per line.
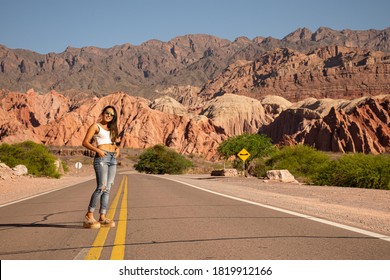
x=244, y=154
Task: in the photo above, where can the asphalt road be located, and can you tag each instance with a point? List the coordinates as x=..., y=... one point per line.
x=161, y=219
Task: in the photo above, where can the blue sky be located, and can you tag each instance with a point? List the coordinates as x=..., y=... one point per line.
x=50, y=26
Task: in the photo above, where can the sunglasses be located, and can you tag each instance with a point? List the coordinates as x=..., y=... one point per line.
x=112, y=114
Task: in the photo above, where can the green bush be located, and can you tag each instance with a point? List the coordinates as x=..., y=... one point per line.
x=315, y=167
x=160, y=160
x=65, y=166
x=35, y=157
x=258, y=167
x=359, y=171
x=302, y=161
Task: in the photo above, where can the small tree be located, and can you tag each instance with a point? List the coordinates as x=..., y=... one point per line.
x=257, y=145
x=160, y=160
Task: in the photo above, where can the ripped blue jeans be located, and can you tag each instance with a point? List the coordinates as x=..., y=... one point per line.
x=105, y=169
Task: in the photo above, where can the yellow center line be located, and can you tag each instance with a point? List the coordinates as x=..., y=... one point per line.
x=97, y=246
x=118, y=251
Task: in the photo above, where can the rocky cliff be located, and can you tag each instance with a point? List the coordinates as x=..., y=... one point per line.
x=360, y=125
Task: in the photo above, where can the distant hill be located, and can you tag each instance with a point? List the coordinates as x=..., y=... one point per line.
x=147, y=69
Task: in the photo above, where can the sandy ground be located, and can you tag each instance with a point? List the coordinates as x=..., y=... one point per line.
x=21, y=187
x=362, y=208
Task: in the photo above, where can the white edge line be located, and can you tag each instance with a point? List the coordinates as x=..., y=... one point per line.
x=42, y=193
x=350, y=228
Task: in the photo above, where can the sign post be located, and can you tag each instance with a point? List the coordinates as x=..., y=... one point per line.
x=244, y=155
x=78, y=166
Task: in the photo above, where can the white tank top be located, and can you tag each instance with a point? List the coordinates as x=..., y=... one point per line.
x=103, y=137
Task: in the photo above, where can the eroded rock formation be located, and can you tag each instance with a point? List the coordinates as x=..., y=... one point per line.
x=359, y=125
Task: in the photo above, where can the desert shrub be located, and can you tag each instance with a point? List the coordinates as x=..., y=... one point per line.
x=160, y=160
x=258, y=168
x=238, y=164
x=359, y=171
x=202, y=166
x=65, y=166
x=35, y=157
x=304, y=162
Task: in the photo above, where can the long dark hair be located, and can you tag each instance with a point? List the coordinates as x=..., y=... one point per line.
x=113, y=124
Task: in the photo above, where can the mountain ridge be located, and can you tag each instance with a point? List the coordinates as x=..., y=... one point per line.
x=191, y=59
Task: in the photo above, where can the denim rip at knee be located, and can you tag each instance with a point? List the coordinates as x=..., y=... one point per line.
x=105, y=169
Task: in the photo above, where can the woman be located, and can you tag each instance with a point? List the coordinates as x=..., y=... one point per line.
x=105, y=134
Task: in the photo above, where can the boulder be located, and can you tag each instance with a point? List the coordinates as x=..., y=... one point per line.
x=281, y=175
x=5, y=171
x=20, y=170
x=230, y=172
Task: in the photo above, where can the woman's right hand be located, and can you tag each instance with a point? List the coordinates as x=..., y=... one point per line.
x=101, y=153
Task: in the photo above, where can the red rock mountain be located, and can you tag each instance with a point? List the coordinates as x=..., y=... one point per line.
x=32, y=116
x=329, y=89
x=332, y=125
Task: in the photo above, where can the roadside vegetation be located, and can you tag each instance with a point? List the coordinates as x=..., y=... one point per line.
x=35, y=157
x=307, y=164
x=162, y=160
x=358, y=171
x=311, y=166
